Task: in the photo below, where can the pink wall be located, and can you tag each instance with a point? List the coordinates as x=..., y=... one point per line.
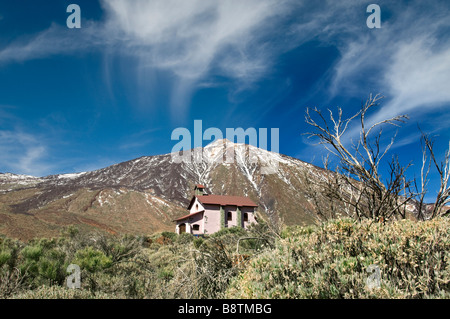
x=250, y=214
x=212, y=219
x=190, y=222
x=209, y=221
x=213, y=222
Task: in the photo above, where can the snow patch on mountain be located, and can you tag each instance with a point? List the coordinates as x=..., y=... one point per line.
x=71, y=175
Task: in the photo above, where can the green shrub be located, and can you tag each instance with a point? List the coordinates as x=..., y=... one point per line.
x=331, y=261
x=92, y=260
x=165, y=274
x=198, y=242
x=171, y=235
x=237, y=231
x=70, y=232
x=326, y=261
x=214, y=268
x=185, y=238
x=119, y=248
x=52, y=267
x=5, y=256
x=32, y=253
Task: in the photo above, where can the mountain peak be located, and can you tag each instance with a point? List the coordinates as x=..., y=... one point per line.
x=143, y=195
x=226, y=143
x=219, y=142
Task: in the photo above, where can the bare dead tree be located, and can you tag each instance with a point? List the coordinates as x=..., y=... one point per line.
x=422, y=190
x=325, y=193
x=359, y=162
x=443, y=169
x=11, y=281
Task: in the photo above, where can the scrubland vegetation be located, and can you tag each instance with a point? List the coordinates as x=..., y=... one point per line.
x=330, y=260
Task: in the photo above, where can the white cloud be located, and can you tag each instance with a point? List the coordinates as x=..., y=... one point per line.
x=193, y=38
x=23, y=153
x=419, y=77
x=188, y=39
x=56, y=39
x=407, y=60
x=413, y=75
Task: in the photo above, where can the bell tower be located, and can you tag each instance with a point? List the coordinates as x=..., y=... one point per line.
x=199, y=190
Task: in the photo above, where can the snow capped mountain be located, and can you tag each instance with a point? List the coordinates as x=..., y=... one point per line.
x=158, y=188
x=8, y=177
x=9, y=182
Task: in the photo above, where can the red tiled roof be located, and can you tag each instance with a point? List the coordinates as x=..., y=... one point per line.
x=186, y=216
x=199, y=186
x=226, y=200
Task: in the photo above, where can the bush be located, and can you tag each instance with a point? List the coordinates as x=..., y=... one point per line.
x=332, y=261
x=185, y=238
x=11, y=281
x=198, y=242
x=57, y=292
x=5, y=256
x=32, y=253
x=327, y=261
x=170, y=235
x=236, y=231
x=92, y=260
x=214, y=268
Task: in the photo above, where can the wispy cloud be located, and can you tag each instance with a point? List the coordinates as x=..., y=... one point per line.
x=55, y=40
x=192, y=39
x=194, y=42
x=188, y=39
x=418, y=77
x=138, y=140
x=23, y=153
x=408, y=60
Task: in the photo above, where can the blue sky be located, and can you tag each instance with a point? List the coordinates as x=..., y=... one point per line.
x=75, y=100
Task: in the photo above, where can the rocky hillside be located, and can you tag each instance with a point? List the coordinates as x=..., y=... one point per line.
x=144, y=195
